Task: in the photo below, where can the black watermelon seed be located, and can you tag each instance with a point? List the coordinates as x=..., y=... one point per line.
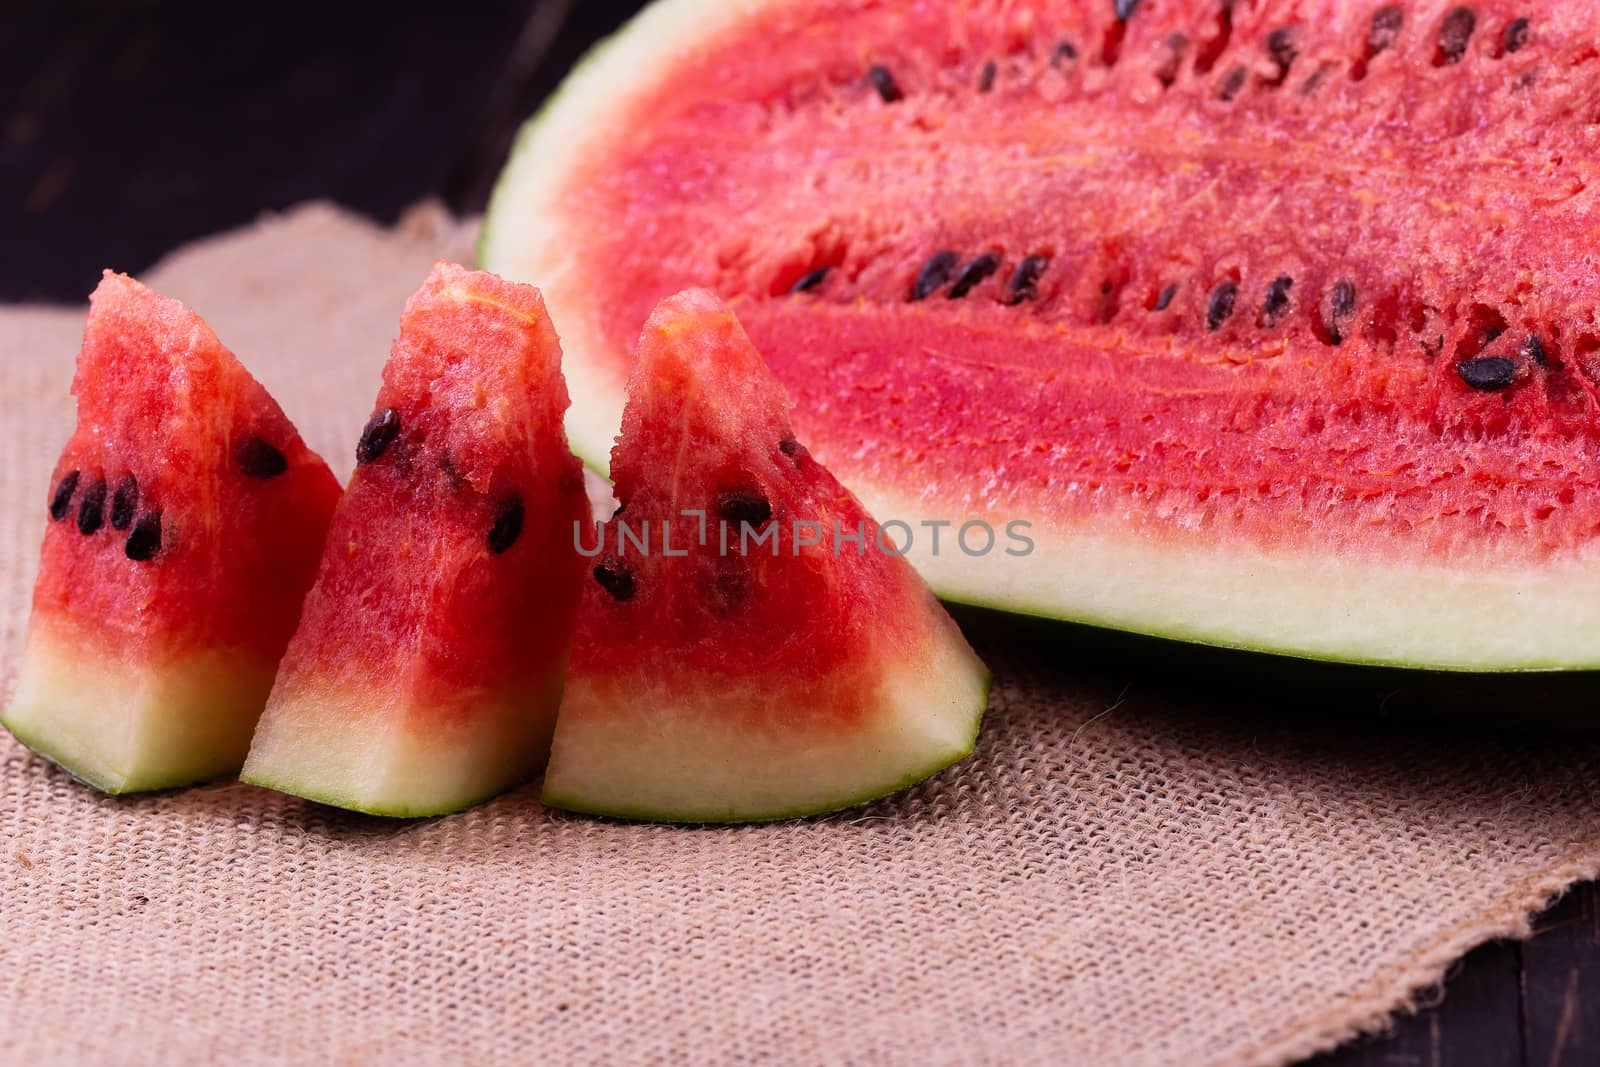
x=1386, y=24
x=61, y=498
x=1533, y=348
x=974, y=272
x=1231, y=84
x=1024, y=283
x=1220, y=308
x=1281, y=47
x=884, y=83
x=145, y=540
x=986, y=76
x=616, y=578
x=124, y=502
x=789, y=446
x=1171, y=64
x=1487, y=372
x=1164, y=301
x=1454, y=35
x=1313, y=83
x=810, y=280
x=1065, y=53
x=380, y=430
x=507, y=525
x=92, y=508
x=934, y=274
x=1341, y=302
x=258, y=459
x=744, y=506
x=1516, y=36
x=1124, y=9
x=1277, y=299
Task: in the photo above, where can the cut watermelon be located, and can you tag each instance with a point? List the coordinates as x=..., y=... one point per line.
x=750, y=647
x=1279, y=322
x=186, y=517
x=426, y=671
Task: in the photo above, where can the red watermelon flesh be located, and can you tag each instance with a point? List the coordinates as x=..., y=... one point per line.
x=185, y=520
x=1278, y=321
x=734, y=661
x=427, y=666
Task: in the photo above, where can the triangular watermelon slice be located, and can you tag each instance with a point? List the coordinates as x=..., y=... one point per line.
x=719, y=677
x=427, y=668
x=185, y=519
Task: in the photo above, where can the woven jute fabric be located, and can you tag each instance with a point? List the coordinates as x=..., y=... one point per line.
x=1124, y=873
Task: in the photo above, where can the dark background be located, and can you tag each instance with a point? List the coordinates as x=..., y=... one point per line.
x=127, y=129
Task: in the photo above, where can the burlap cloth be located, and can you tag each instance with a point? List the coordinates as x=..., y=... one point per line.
x=1120, y=875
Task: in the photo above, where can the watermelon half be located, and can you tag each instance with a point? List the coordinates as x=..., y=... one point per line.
x=185, y=518
x=751, y=646
x=426, y=671
x=1276, y=323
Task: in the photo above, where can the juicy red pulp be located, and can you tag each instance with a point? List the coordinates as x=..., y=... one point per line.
x=450, y=571
x=185, y=501
x=707, y=431
x=1297, y=272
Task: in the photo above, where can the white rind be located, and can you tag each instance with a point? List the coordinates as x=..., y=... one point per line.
x=126, y=729
x=375, y=751
x=750, y=750
x=1314, y=605
x=1458, y=614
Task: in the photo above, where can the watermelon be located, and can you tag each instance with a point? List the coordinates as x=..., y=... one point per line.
x=426, y=671
x=1276, y=323
x=751, y=645
x=184, y=521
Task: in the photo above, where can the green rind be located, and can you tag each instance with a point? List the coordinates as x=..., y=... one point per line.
x=1336, y=695
x=334, y=746
x=349, y=803
x=828, y=807
x=110, y=787
x=1259, y=649
x=694, y=749
x=125, y=727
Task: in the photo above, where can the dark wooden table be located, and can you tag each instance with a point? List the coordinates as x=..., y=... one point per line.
x=126, y=130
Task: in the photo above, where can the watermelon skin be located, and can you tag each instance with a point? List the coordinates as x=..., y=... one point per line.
x=427, y=667
x=147, y=673
x=1225, y=466
x=714, y=684
x=129, y=725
